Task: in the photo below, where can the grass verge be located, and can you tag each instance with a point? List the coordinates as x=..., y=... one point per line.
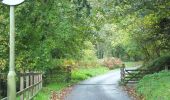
x=155, y=86
x=77, y=76
x=85, y=73
x=45, y=93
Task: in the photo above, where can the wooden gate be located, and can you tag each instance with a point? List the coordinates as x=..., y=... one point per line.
x=134, y=75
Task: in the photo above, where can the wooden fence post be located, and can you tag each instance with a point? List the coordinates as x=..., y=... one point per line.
x=166, y=67
x=68, y=73
x=122, y=72
x=41, y=80
x=31, y=83
x=38, y=81
x=36, y=86
x=34, y=89
x=27, y=85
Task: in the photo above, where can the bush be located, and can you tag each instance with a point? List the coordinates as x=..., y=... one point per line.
x=112, y=62
x=159, y=63
x=155, y=86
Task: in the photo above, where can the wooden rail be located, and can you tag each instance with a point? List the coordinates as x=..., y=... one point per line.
x=30, y=85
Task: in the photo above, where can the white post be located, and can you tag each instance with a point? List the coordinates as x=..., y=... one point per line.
x=22, y=86
x=11, y=75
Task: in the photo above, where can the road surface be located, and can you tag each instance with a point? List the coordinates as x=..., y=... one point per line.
x=104, y=87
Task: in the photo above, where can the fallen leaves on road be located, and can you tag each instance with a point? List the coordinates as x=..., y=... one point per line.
x=60, y=95
x=132, y=92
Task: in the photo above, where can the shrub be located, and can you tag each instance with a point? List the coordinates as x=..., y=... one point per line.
x=159, y=63
x=112, y=62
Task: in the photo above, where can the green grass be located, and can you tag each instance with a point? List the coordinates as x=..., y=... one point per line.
x=45, y=93
x=155, y=86
x=85, y=73
x=77, y=76
x=133, y=64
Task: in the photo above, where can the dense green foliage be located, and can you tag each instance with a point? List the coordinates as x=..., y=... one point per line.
x=46, y=31
x=155, y=86
x=51, y=34
x=158, y=64
x=134, y=30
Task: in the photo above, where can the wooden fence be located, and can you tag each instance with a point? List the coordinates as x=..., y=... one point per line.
x=30, y=84
x=134, y=75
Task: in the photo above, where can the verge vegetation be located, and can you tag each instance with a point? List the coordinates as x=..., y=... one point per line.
x=155, y=86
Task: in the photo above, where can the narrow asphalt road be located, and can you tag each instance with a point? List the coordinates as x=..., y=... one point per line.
x=104, y=87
